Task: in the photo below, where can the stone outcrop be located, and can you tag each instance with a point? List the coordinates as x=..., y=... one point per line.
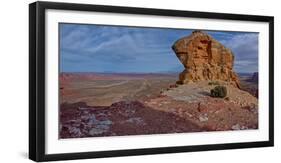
x=204, y=58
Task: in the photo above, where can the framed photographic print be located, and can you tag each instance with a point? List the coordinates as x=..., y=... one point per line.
x=111, y=81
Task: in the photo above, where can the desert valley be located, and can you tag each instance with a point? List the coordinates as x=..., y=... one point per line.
x=208, y=95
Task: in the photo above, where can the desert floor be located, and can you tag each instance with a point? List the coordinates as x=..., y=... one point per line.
x=93, y=105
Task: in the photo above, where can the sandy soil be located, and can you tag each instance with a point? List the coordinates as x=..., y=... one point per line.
x=104, y=92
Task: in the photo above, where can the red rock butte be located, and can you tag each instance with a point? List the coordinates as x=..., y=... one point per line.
x=204, y=58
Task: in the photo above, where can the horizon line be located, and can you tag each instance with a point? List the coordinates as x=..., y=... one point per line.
x=135, y=72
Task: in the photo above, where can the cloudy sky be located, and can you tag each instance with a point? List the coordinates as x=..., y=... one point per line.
x=96, y=48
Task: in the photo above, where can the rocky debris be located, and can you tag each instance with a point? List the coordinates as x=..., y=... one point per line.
x=122, y=118
x=203, y=117
x=235, y=127
x=82, y=121
x=238, y=127
x=210, y=114
x=136, y=120
x=204, y=58
x=252, y=108
x=194, y=102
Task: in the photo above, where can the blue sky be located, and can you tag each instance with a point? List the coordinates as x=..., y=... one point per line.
x=98, y=48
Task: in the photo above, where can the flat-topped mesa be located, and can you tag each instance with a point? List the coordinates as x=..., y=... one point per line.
x=204, y=58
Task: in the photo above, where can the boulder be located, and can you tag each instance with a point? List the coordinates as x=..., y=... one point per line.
x=204, y=58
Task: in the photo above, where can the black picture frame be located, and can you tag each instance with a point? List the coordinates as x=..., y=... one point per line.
x=37, y=78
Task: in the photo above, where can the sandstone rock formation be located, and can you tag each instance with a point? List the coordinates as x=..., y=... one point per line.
x=204, y=58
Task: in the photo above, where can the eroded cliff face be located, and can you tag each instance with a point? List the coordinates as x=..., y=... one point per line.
x=204, y=58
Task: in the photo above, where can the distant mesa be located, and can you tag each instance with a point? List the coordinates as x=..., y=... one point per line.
x=255, y=77
x=204, y=58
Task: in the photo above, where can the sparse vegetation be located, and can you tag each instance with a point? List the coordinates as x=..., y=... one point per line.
x=219, y=91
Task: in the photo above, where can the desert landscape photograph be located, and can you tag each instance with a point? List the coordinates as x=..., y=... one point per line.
x=122, y=80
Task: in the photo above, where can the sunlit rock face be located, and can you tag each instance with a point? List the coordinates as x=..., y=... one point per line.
x=204, y=58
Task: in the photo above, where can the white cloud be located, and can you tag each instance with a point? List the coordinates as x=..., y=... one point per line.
x=245, y=49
